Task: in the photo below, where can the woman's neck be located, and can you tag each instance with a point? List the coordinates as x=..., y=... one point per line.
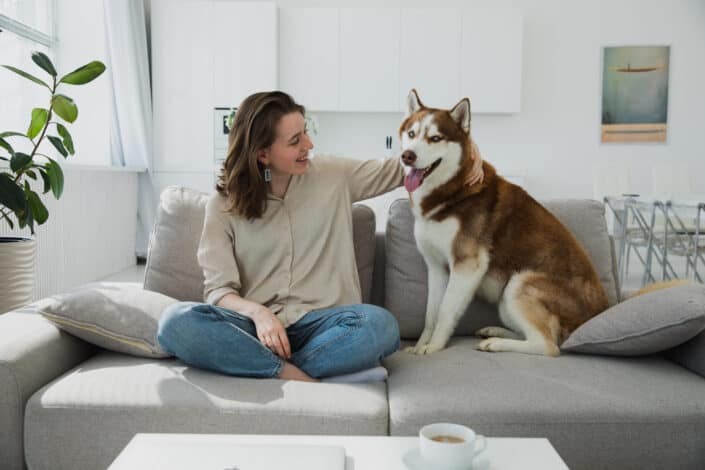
x=279, y=184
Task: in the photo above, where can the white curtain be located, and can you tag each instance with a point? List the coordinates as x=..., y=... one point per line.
x=131, y=133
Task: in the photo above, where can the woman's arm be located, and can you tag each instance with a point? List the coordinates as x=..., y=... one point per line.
x=270, y=330
x=222, y=278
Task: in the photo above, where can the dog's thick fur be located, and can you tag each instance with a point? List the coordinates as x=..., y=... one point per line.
x=489, y=238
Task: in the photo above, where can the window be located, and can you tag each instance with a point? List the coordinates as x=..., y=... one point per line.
x=26, y=25
x=71, y=36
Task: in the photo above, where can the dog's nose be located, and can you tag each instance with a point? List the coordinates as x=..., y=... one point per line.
x=408, y=157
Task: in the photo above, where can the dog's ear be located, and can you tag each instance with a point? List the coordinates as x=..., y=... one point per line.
x=413, y=103
x=461, y=114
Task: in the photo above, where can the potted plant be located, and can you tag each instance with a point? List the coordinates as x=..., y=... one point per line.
x=18, y=198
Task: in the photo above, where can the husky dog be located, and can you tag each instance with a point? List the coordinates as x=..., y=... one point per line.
x=489, y=238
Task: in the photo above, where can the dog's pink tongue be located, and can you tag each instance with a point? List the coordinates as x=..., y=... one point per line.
x=413, y=179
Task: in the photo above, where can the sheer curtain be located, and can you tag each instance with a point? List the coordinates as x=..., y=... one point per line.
x=131, y=136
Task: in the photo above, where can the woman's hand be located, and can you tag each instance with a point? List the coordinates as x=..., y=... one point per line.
x=271, y=332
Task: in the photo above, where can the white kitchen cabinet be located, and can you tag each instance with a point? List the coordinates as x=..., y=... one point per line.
x=369, y=59
x=182, y=84
x=205, y=54
x=430, y=56
x=491, y=59
x=308, y=56
x=244, y=48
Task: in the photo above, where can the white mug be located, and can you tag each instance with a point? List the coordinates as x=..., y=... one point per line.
x=450, y=455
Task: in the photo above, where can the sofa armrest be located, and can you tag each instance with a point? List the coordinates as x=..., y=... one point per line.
x=33, y=352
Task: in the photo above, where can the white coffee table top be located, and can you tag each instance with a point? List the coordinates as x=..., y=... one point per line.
x=210, y=451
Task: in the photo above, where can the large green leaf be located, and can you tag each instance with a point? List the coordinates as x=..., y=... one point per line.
x=44, y=62
x=4, y=144
x=26, y=75
x=56, y=178
x=11, y=133
x=47, y=180
x=39, y=120
x=11, y=195
x=39, y=210
x=65, y=107
x=84, y=74
x=26, y=217
x=19, y=161
x=67, y=140
x=56, y=142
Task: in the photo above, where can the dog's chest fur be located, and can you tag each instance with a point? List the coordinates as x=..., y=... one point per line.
x=435, y=239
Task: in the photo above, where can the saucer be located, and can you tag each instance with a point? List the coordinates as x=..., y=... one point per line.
x=414, y=461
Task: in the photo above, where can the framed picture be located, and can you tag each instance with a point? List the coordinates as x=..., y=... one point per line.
x=635, y=93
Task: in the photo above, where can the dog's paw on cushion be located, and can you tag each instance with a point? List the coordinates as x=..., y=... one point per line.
x=118, y=316
x=645, y=324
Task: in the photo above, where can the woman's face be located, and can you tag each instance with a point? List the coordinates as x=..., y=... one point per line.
x=288, y=155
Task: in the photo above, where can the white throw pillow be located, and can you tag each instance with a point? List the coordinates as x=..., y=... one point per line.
x=118, y=316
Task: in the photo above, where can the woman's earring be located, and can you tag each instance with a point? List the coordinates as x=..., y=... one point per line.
x=267, y=175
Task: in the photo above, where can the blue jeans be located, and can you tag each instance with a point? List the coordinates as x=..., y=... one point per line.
x=327, y=342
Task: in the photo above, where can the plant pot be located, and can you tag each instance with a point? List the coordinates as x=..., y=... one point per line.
x=16, y=272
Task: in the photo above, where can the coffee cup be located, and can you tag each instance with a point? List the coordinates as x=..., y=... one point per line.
x=450, y=446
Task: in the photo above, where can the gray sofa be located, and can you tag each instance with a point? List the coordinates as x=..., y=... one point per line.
x=65, y=404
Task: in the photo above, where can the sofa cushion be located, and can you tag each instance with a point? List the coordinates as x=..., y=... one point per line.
x=172, y=266
x=110, y=397
x=119, y=316
x=649, y=323
x=405, y=271
x=597, y=411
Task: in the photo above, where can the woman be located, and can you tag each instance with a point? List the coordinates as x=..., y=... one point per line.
x=281, y=284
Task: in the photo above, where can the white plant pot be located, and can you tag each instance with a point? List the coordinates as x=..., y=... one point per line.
x=16, y=272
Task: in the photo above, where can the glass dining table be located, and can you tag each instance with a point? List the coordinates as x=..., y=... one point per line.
x=666, y=236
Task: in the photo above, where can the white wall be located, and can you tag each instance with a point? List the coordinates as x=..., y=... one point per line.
x=554, y=142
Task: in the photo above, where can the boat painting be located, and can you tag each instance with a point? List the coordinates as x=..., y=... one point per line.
x=635, y=93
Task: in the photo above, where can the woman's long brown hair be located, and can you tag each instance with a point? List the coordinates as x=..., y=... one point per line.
x=241, y=178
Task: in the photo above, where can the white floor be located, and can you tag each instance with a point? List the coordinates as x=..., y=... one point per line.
x=132, y=274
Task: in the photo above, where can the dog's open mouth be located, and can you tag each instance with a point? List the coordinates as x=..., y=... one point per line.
x=416, y=176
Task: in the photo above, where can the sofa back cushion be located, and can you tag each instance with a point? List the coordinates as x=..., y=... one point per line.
x=172, y=267
x=406, y=275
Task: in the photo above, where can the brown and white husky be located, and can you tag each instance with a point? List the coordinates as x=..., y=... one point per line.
x=489, y=238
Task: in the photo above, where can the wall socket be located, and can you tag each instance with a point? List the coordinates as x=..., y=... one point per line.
x=388, y=146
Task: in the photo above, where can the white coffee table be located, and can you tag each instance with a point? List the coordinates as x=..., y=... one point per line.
x=210, y=451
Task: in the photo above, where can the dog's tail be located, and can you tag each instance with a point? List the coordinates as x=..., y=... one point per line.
x=660, y=285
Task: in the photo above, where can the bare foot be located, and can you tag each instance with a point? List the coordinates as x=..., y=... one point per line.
x=291, y=372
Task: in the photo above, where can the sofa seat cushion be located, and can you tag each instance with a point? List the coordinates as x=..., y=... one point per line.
x=85, y=418
x=597, y=411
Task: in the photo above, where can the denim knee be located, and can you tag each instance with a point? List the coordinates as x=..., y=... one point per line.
x=171, y=322
x=380, y=324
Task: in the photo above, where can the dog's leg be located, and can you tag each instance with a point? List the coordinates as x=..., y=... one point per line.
x=497, y=332
x=465, y=277
x=521, y=308
x=437, y=281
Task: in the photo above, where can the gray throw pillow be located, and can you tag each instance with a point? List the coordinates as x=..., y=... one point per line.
x=118, y=316
x=646, y=324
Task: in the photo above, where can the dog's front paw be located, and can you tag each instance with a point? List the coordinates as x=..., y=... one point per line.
x=488, y=345
x=428, y=349
x=410, y=349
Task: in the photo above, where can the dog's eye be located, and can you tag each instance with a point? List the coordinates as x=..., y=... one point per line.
x=411, y=134
x=436, y=138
